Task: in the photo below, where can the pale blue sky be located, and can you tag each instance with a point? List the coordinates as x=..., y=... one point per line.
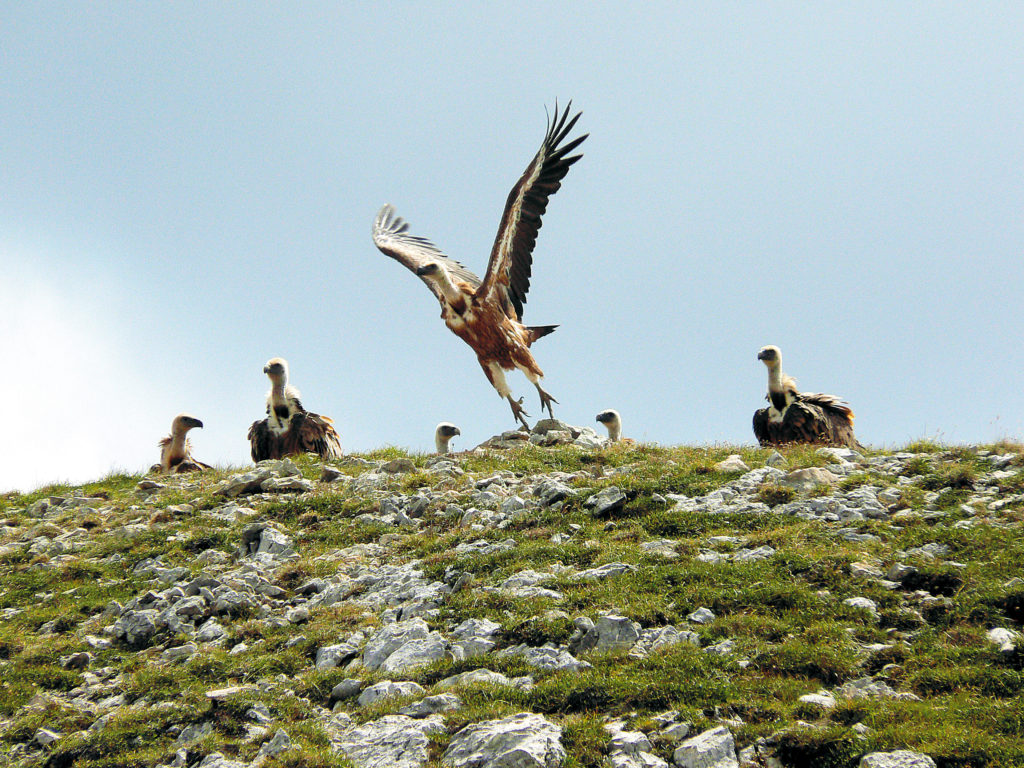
x=187, y=190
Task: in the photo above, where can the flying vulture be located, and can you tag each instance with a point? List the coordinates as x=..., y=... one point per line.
x=443, y=434
x=289, y=428
x=176, y=450
x=487, y=313
x=799, y=417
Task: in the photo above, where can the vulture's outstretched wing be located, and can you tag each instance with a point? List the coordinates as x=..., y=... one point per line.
x=263, y=443
x=509, y=268
x=391, y=236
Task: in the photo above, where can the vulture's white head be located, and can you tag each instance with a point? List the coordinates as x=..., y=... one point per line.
x=611, y=419
x=277, y=370
x=437, y=274
x=443, y=434
x=183, y=423
x=770, y=356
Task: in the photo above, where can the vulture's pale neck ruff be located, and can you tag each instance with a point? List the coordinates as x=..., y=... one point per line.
x=781, y=389
x=281, y=400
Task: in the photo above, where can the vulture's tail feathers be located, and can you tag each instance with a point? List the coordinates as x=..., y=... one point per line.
x=538, y=331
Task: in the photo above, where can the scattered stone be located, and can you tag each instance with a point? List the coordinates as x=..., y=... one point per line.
x=822, y=699
x=711, y=749
x=278, y=744
x=863, y=604
x=399, y=466
x=432, y=705
x=610, y=633
x=386, y=689
x=701, y=616
x=525, y=740
x=606, y=501
x=604, y=571
x=395, y=741
x=1004, y=639
x=44, y=737
x=732, y=464
x=805, y=479
x=901, y=758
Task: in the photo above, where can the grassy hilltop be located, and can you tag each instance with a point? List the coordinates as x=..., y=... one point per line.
x=937, y=555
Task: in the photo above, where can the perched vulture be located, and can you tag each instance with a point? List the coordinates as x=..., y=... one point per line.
x=289, y=428
x=799, y=417
x=176, y=450
x=613, y=422
x=443, y=434
x=487, y=313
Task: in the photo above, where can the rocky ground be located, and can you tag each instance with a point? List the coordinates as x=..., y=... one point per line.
x=546, y=601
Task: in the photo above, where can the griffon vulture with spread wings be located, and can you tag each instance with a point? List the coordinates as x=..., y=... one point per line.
x=487, y=313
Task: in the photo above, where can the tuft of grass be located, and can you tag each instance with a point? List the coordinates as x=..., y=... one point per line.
x=773, y=495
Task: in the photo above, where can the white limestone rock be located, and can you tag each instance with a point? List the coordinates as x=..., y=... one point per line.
x=732, y=464
x=525, y=740
x=710, y=749
x=606, y=501
x=605, y=571
x=863, y=604
x=702, y=616
x=388, y=689
x=395, y=741
x=475, y=677
x=1004, y=639
x=822, y=698
x=432, y=705
x=901, y=758
x=547, y=657
x=610, y=633
x=659, y=637
x=805, y=479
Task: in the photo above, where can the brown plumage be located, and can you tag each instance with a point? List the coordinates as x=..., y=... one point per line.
x=176, y=449
x=800, y=417
x=486, y=313
x=289, y=428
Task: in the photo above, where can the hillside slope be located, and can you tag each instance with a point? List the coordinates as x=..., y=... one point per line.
x=801, y=608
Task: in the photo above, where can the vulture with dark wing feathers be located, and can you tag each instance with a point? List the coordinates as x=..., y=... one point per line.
x=289, y=428
x=799, y=417
x=487, y=313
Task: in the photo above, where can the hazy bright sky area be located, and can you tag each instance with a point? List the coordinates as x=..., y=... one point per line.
x=187, y=190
